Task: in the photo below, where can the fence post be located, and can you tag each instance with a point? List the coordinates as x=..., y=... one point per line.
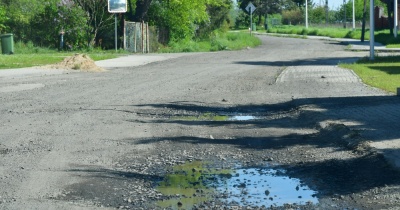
x=148, y=38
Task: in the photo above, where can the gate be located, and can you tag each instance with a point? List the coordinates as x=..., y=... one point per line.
x=136, y=37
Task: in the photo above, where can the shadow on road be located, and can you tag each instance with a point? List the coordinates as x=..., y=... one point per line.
x=374, y=115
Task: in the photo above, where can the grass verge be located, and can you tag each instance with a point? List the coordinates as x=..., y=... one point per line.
x=27, y=55
x=218, y=42
x=383, y=72
x=40, y=59
x=381, y=36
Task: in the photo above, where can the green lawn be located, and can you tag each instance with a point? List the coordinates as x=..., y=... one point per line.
x=40, y=59
x=383, y=72
x=381, y=36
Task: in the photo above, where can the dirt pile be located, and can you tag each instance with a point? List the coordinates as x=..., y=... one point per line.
x=80, y=62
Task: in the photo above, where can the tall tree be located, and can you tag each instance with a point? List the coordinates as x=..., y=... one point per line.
x=181, y=19
x=363, y=21
x=141, y=10
x=98, y=17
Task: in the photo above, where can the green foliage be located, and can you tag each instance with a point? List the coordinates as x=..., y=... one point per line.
x=383, y=72
x=242, y=20
x=3, y=19
x=63, y=16
x=314, y=31
x=317, y=14
x=292, y=17
x=183, y=20
x=218, y=41
x=218, y=18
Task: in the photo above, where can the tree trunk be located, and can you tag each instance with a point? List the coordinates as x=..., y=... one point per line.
x=390, y=9
x=363, y=21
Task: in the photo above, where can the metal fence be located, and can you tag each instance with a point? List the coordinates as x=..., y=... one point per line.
x=136, y=37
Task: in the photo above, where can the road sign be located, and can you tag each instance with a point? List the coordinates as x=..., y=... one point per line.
x=117, y=6
x=250, y=8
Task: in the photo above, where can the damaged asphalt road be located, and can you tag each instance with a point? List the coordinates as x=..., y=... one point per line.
x=165, y=134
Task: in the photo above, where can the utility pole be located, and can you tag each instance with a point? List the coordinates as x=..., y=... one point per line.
x=354, y=17
x=395, y=19
x=306, y=14
x=344, y=7
x=372, y=31
x=326, y=12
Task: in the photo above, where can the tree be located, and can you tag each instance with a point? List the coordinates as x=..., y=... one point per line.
x=179, y=20
x=363, y=21
x=59, y=16
x=294, y=16
x=20, y=13
x=97, y=16
x=218, y=17
x=317, y=14
x=141, y=10
x=3, y=19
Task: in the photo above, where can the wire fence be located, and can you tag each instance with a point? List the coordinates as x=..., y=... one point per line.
x=136, y=37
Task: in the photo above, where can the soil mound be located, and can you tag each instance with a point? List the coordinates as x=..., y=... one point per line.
x=80, y=62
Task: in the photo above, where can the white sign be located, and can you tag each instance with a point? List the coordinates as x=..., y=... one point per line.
x=117, y=6
x=250, y=8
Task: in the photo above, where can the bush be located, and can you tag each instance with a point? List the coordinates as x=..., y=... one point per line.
x=292, y=17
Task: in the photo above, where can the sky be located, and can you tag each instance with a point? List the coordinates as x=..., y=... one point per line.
x=333, y=4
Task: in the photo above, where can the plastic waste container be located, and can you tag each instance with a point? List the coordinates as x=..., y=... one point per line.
x=7, y=43
x=253, y=27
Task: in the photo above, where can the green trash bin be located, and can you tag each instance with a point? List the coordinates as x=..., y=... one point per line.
x=253, y=27
x=7, y=43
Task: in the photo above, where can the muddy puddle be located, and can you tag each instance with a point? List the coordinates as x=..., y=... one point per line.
x=191, y=185
x=218, y=117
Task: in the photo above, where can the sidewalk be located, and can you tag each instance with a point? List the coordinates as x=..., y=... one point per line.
x=355, y=44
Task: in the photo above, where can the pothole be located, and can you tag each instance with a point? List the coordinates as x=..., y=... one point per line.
x=243, y=118
x=264, y=187
x=193, y=184
x=217, y=117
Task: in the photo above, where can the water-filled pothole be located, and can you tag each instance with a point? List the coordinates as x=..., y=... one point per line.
x=242, y=118
x=264, y=187
x=217, y=117
x=192, y=184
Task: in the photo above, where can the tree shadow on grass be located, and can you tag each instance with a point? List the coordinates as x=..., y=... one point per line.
x=388, y=69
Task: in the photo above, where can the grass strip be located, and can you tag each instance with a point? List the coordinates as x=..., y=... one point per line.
x=383, y=72
x=41, y=59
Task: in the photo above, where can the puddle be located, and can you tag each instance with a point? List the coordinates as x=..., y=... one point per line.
x=264, y=187
x=192, y=184
x=216, y=117
x=188, y=185
x=242, y=118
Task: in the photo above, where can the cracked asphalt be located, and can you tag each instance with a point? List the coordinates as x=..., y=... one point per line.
x=81, y=140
